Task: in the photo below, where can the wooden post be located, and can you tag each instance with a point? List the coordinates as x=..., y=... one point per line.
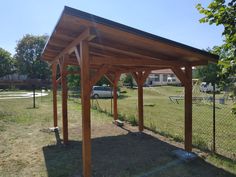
x=115, y=101
x=64, y=100
x=54, y=87
x=140, y=78
x=115, y=96
x=113, y=79
x=85, y=100
x=188, y=109
x=140, y=106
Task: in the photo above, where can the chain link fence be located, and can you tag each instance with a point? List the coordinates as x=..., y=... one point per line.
x=164, y=114
x=214, y=125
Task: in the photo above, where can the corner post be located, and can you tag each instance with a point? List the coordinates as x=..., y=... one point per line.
x=188, y=109
x=85, y=100
x=64, y=99
x=54, y=87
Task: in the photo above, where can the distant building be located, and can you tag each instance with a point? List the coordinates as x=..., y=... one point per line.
x=162, y=77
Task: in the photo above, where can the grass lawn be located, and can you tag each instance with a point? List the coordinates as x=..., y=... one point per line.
x=27, y=148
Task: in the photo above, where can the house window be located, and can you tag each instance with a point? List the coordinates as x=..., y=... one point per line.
x=157, y=78
x=164, y=77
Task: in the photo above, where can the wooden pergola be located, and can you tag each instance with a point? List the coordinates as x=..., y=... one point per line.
x=103, y=47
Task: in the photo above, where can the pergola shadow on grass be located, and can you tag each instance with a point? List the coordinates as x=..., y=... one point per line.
x=125, y=155
x=103, y=47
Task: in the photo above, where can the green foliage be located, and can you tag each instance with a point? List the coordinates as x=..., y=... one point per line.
x=128, y=80
x=103, y=81
x=234, y=109
x=28, y=57
x=219, y=12
x=200, y=143
x=6, y=63
x=208, y=73
x=73, y=80
x=132, y=120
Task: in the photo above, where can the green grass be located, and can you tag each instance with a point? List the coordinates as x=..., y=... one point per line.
x=26, y=149
x=167, y=118
x=222, y=162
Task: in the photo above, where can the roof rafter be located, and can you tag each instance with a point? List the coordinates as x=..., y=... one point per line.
x=86, y=34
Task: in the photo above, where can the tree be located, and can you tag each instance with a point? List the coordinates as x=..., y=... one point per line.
x=6, y=63
x=28, y=57
x=219, y=12
x=209, y=73
x=103, y=81
x=73, y=80
x=128, y=80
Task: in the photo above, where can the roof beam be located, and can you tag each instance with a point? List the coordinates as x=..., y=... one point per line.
x=65, y=33
x=96, y=60
x=57, y=42
x=100, y=72
x=85, y=35
x=126, y=61
x=164, y=45
x=132, y=52
x=181, y=75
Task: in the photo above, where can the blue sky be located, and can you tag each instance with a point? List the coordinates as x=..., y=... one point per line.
x=176, y=19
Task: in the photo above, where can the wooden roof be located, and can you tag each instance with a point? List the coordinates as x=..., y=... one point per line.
x=118, y=46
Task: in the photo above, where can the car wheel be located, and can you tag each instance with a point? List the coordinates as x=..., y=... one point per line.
x=96, y=96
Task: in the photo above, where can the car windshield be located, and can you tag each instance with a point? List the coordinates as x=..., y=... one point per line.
x=102, y=88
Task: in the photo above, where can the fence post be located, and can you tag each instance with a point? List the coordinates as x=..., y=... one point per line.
x=214, y=120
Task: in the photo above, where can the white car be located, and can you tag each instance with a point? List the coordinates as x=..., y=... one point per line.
x=204, y=87
x=102, y=92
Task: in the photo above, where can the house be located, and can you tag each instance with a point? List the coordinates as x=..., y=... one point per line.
x=162, y=77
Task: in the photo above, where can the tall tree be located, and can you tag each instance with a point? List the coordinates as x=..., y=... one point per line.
x=210, y=73
x=28, y=57
x=223, y=13
x=6, y=63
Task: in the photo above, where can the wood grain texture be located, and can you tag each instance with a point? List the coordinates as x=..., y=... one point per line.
x=54, y=86
x=85, y=100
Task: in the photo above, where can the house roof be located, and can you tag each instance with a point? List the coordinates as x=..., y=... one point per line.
x=163, y=71
x=121, y=44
